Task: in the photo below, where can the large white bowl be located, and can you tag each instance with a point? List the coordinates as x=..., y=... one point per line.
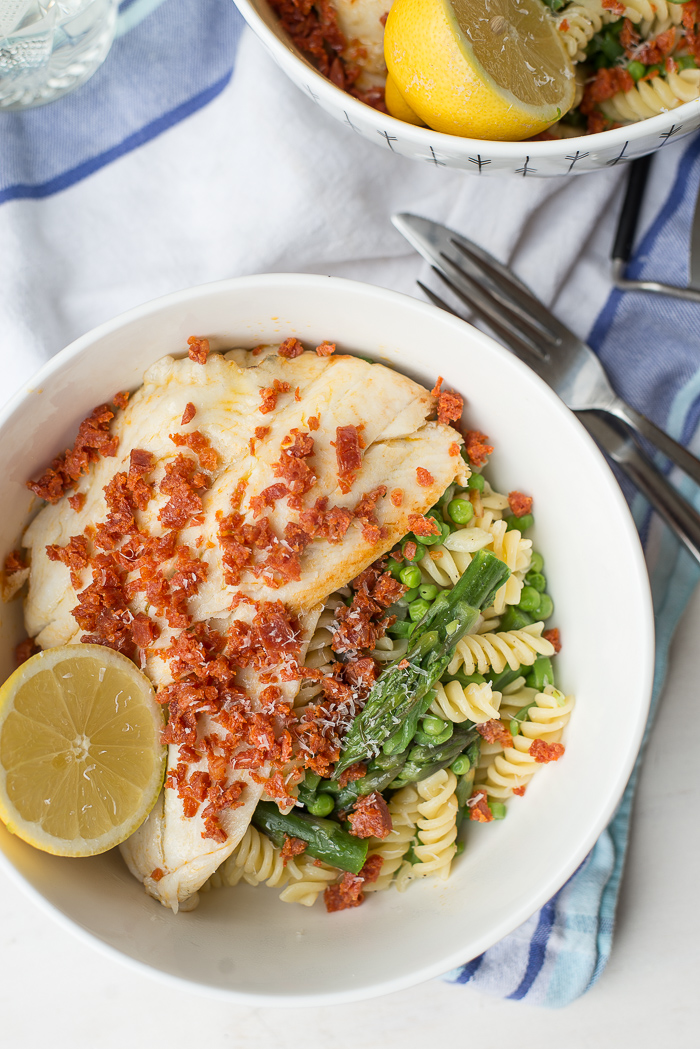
x=569, y=156
x=244, y=942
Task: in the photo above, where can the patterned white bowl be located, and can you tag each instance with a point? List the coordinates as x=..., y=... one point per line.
x=570, y=156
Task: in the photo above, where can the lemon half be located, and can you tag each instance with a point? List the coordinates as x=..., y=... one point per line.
x=491, y=69
x=81, y=762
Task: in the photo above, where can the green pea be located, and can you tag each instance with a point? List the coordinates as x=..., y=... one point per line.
x=394, y=567
x=536, y=562
x=545, y=608
x=428, y=591
x=537, y=581
x=461, y=765
x=636, y=70
x=417, y=609
x=684, y=62
x=433, y=726
x=420, y=550
x=476, y=483
x=431, y=540
x=498, y=809
x=311, y=780
x=322, y=805
x=521, y=523
x=514, y=727
x=401, y=629
x=410, y=576
x=461, y=511
x=529, y=599
x=410, y=595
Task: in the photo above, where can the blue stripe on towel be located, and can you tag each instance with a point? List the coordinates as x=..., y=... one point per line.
x=177, y=59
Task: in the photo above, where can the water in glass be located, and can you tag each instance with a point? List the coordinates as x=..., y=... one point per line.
x=49, y=47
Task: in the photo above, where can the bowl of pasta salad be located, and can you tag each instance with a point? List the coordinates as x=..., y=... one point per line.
x=315, y=586
x=596, y=82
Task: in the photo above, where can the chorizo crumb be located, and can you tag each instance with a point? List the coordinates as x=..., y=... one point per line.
x=188, y=414
x=424, y=477
x=519, y=504
x=553, y=637
x=370, y=817
x=478, y=448
x=544, y=752
x=198, y=349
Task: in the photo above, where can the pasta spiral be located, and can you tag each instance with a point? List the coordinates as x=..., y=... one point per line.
x=579, y=23
x=436, y=829
x=475, y=703
x=308, y=882
x=475, y=653
x=254, y=860
x=403, y=809
x=515, y=766
x=648, y=98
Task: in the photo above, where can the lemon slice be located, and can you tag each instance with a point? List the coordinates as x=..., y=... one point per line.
x=81, y=762
x=492, y=69
x=398, y=106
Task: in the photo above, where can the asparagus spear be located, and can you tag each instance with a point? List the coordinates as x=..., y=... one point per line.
x=424, y=761
x=325, y=839
x=403, y=685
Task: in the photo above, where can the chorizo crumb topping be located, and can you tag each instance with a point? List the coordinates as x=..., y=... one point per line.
x=198, y=349
x=553, y=637
x=544, y=752
x=93, y=441
x=134, y=589
x=519, y=504
x=478, y=448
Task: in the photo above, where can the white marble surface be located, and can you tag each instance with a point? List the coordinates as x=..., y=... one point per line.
x=57, y=992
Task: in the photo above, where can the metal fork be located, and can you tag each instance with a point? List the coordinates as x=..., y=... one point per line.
x=561, y=359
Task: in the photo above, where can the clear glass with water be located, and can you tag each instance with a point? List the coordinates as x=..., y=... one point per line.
x=49, y=47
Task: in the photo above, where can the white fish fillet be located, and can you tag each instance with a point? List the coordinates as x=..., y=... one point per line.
x=340, y=391
x=359, y=21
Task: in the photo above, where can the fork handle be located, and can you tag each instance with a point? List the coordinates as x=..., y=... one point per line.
x=644, y=427
x=682, y=518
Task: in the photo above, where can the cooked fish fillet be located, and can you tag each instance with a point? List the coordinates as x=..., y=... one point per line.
x=339, y=391
x=361, y=25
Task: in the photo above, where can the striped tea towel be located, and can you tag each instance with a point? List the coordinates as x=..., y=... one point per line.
x=190, y=157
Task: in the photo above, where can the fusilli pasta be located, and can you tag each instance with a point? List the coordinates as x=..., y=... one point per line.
x=579, y=22
x=515, y=766
x=648, y=98
x=436, y=829
x=309, y=881
x=475, y=702
x=476, y=653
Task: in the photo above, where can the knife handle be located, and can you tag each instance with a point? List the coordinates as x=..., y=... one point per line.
x=631, y=206
x=643, y=427
x=682, y=518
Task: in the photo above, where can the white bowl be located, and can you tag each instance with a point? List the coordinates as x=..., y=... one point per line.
x=244, y=942
x=569, y=156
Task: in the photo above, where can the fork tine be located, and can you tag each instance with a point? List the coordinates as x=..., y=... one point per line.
x=507, y=284
x=436, y=300
x=521, y=320
x=488, y=313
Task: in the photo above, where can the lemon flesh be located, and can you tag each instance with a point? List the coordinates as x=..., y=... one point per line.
x=81, y=762
x=490, y=69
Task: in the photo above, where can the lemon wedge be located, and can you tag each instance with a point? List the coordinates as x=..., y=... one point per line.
x=81, y=762
x=491, y=69
x=398, y=106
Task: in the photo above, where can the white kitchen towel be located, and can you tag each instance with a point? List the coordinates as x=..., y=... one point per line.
x=189, y=157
